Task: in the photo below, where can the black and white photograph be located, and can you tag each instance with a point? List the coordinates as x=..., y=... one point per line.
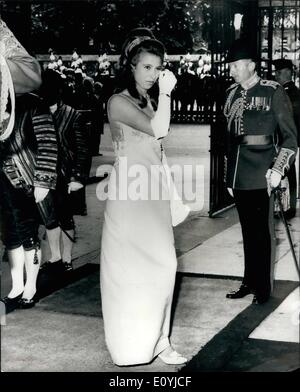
x=149, y=189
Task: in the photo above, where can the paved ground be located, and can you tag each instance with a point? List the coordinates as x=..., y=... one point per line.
x=64, y=332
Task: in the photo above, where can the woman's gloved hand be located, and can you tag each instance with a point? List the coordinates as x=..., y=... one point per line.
x=166, y=82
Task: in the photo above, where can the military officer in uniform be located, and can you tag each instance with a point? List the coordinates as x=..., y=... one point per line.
x=283, y=75
x=255, y=110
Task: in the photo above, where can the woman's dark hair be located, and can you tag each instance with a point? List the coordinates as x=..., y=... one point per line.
x=139, y=41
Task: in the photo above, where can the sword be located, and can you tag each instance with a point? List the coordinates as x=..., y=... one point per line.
x=277, y=192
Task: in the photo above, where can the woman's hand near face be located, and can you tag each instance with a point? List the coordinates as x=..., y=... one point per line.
x=161, y=121
x=166, y=82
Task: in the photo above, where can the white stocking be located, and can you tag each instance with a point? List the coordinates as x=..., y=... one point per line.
x=54, y=243
x=68, y=246
x=32, y=271
x=16, y=261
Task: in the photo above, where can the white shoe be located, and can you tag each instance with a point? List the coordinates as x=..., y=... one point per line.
x=173, y=358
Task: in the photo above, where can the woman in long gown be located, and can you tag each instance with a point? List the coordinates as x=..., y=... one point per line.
x=138, y=260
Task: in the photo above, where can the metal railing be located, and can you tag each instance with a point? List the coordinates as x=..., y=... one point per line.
x=219, y=197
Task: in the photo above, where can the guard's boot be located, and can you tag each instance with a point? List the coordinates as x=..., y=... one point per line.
x=240, y=293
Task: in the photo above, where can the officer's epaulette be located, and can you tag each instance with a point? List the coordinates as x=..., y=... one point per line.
x=232, y=86
x=269, y=83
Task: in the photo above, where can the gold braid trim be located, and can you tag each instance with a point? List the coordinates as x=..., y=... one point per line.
x=233, y=111
x=282, y=163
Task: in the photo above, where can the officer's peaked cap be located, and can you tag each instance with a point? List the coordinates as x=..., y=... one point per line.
x=241, y=50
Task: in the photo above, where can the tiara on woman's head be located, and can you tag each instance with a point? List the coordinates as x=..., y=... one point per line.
x=135, y=43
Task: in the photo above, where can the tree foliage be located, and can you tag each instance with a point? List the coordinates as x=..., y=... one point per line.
x=95, y=26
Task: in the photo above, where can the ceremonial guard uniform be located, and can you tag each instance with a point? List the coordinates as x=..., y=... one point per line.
x=253, y=116
x=27, y=160
x=27, y=163
x=72, y=170
x=255, y=110
x=28, y=154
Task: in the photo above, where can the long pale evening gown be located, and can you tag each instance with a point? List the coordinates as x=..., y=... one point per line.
x=138, y=260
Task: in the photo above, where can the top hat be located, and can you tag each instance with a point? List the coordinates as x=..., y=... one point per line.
x=283, y=63
x=240, y=50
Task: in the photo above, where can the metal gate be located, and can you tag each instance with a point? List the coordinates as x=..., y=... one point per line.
x=279, y=34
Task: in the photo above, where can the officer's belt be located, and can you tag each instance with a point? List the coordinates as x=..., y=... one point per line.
x=257, y=140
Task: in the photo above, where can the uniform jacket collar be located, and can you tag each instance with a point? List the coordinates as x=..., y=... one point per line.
x=253, y=80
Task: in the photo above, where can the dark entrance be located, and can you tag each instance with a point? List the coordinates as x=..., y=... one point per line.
x=230, y=20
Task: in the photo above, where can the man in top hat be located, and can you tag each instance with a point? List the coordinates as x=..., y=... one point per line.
x=283, y=75
x=255, y=109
